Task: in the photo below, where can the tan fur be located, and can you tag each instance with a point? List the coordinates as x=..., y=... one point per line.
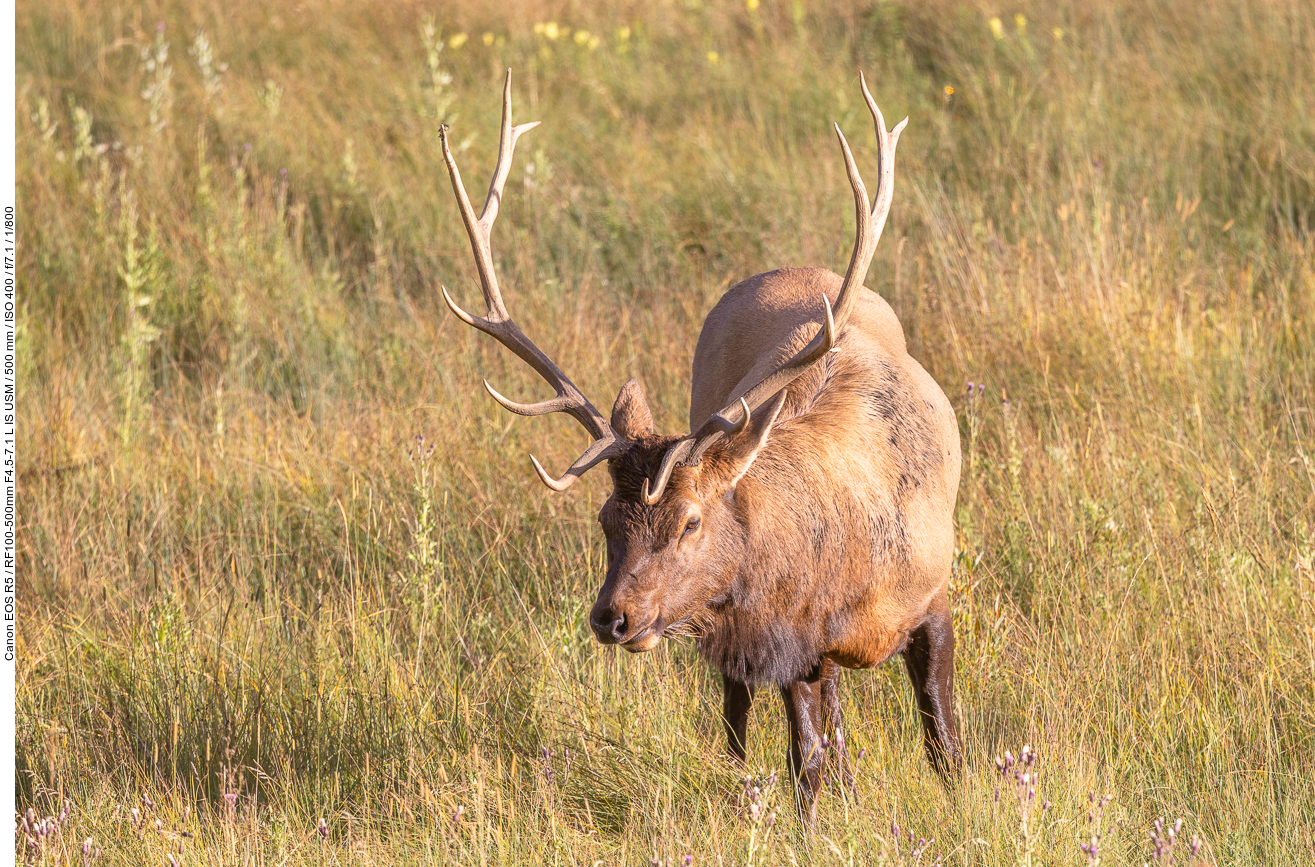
x=829, y=431
x=827, y=536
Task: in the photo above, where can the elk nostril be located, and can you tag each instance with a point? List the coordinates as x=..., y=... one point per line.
x=608, y=626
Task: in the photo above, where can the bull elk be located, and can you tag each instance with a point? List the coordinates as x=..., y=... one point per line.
x=805, y=525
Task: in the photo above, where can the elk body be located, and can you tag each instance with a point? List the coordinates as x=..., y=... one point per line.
x=805, y=525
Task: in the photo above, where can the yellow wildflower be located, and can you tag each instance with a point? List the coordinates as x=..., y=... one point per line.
x=623, y=33
x=714, y=57
x=1020, y=22
x=458, y=40
x=997, y=28
x=1058, y=33
x=488, y=38
x=581, y=37
x=751, y=5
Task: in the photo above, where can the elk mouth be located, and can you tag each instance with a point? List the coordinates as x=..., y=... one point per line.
x=647, y=638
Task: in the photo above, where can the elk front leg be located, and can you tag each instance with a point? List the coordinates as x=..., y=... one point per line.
x=833, y=725
x=929, y=656
x=803, y=709
x=736, y=701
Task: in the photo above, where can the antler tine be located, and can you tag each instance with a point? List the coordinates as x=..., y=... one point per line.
x=506, y=144
x=715, y=428
x=561, y=403
x=480, y=229
x=675, y=454
x=499, y=325
x=728, y=427
x=598, y=452
x=870, y=224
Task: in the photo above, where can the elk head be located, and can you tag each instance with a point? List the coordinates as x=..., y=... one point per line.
x=672, y=526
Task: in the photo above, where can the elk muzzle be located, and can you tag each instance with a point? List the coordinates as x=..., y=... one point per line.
x=634, y=630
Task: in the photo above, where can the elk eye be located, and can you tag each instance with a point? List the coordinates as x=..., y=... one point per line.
x=692, y=524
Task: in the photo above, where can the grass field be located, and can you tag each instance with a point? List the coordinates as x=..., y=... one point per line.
x=291, y=594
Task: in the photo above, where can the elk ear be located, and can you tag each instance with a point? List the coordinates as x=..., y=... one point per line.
x=743, y=448
x=630, y=414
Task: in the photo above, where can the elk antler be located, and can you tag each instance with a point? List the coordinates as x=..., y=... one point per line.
x=607, y=443
x=689, y=450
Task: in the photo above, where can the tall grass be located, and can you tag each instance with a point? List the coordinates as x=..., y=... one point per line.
x=276, y=545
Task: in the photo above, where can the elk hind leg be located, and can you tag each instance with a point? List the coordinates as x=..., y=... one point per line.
x=929, y=657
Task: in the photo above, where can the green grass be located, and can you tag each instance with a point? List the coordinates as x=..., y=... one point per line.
x=242, y=573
